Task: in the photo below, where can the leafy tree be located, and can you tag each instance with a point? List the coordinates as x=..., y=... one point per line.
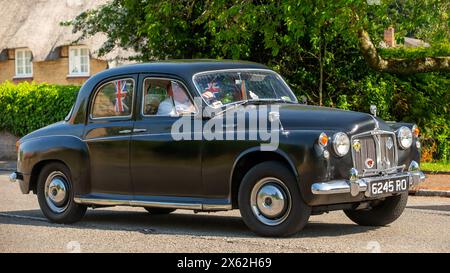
x=326, y=49
x=299, y=38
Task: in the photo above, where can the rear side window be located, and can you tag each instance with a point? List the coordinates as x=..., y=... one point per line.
x=113, y=99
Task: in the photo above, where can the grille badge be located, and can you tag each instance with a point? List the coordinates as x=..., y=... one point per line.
x=389, y=143
x=356, y=145
x=369, y=163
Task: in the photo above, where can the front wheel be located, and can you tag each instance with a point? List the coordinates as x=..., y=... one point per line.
x=55, y=195
x=270, y=202
x=381, y=214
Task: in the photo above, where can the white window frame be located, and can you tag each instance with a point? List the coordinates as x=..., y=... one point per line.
x=23, y=63
x=77, y=61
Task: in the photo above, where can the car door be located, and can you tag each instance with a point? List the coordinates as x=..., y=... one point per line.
x=162, y=167
x=108, y=134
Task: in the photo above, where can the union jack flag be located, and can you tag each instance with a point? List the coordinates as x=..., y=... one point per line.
x=212, y=87
x=121, y=93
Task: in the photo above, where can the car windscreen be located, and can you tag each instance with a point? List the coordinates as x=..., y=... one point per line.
x=223, y=87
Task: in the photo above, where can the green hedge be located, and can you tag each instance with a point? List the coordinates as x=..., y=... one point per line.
x=25, y=107
x=423, y=99
x=438, y=50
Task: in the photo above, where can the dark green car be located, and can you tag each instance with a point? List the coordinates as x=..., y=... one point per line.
x=212, y=136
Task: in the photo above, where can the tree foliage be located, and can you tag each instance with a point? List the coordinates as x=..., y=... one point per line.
x=327, y=50
x=295, y=37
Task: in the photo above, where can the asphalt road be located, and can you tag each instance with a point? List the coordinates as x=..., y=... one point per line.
x=423, y=227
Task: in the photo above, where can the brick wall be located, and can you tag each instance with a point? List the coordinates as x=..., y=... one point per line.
x=50, y=71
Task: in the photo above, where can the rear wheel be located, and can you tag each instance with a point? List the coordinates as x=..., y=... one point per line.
x=55, y=195
x=381, y=214
x=270, y=201
x=159, y=210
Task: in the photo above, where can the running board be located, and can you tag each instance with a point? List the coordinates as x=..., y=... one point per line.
x=155, y=204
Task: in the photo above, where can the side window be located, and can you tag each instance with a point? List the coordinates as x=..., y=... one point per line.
x=164, y=97
x=113, y=99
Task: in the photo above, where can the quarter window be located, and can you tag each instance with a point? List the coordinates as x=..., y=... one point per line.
x=78, y=61
x=165, y=97
x=24, y=66
x=114, y=99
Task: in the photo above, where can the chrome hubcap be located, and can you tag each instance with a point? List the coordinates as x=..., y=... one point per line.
x=270, y=201
x=56, y=192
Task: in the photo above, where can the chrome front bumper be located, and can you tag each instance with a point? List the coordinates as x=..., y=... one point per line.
x=355, y=185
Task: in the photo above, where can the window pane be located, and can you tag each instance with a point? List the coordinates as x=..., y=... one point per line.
x=74, y=69
x=83, y=60
x=166, y=98
x=84, y=52
x=220, y=88
x=114, y=99
x=20, y=70
x=79, y=61
x=27, y=62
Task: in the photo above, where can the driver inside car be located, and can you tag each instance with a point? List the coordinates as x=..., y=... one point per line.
x=176, y=103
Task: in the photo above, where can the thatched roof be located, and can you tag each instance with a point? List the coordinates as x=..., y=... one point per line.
x=36, y=24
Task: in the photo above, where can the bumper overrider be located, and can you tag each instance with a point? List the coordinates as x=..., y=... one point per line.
x=22, y=179
x=355, y=185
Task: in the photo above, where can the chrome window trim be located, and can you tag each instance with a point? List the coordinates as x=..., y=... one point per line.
x=112, y=117
x=168, y=79
x=374, y=133
x=233, y=70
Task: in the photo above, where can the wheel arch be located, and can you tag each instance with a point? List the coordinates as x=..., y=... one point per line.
x=251, y=157
x=71, y=151
x=36, y=170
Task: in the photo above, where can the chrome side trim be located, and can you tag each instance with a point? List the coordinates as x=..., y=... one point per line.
x=102, y=202
x=155, y=204
x=216, y=207
x=166, y=205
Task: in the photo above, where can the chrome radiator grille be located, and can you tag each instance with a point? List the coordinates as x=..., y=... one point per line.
x=373, y=152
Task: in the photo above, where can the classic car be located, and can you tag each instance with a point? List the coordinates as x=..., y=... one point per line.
x=117, y=146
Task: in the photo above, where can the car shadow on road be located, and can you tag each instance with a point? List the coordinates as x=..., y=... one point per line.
x=173, y=224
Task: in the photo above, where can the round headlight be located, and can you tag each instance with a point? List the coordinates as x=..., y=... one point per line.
x=404, y=136
x=341, y=144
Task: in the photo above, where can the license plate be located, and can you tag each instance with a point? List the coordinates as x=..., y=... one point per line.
x=398, y=184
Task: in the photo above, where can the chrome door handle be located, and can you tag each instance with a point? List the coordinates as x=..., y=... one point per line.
x=139, y=130
x=125, y=132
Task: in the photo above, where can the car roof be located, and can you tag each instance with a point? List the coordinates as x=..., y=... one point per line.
x=183, y=68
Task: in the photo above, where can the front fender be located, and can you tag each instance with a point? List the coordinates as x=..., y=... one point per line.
x=70, y=150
